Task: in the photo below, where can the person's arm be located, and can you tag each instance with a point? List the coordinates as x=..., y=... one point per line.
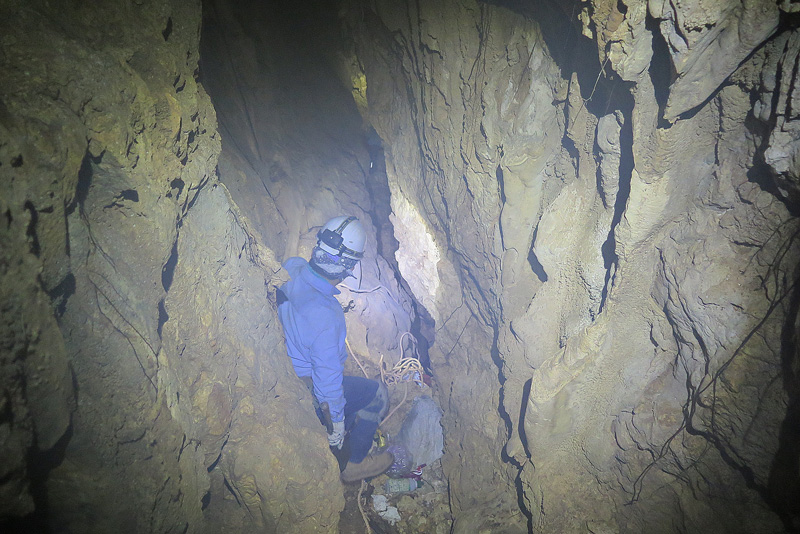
x=327, y=369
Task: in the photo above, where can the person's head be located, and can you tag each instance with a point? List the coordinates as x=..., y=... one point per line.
x=340, y=246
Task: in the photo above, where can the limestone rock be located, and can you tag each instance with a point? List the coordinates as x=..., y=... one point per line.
x=708, y=40
x=777, y=109
x=614, y=294
x=581, y=230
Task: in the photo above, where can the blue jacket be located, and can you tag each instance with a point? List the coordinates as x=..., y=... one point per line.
x=314, y=327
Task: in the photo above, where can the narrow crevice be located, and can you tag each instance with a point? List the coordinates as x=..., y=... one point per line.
x=523, y=411
x=378, y=188
x=498, y=173
x=423, y=328
x=626, y=165
x=30, y=232
x=783, y=484
x=661, y=71
x=501, y=379
x=230, y=489
x=214, y=463
x=167, y=30
x=500, y=181
x=167, y=276
x=85, y=176
x=423, y=325
x=533, y=261
x=60, y=294
x=168, y=270
x=522, y=503
x=163, y=317
x=509, y=427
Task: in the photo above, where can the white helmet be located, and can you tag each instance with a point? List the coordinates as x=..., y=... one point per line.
x=340, y=245
x=343, y=236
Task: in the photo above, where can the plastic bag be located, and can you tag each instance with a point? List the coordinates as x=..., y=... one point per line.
x=403, y=461
x=421, y=434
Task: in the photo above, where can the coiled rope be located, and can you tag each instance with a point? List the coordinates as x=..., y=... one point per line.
x=407, y=369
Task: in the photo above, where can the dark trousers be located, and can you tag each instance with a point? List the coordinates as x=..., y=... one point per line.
x=358, y=394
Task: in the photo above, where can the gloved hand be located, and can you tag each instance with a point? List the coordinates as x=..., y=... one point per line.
x=336, y=438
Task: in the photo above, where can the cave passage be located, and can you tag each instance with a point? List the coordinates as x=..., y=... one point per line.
x=579, y=285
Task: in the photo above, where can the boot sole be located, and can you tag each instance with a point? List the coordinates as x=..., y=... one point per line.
x=358, y=478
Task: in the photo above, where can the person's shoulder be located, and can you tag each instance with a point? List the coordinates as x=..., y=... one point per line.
x=294, y=265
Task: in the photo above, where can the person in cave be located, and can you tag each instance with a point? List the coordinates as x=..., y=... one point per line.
x=315, y=331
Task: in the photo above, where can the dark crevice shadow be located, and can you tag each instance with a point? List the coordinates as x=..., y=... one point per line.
x=423, y=326
x=60, y=294
x=783, y=483
x=523, y=411
x=533, y=261
x=662, y=72
x=39, y=465
x=509, y=426
x=626, y=166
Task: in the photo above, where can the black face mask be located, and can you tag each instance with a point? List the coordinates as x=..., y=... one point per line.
x=332, y=266
x=348, y=263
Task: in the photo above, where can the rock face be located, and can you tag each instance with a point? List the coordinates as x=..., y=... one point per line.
x=596, y=203
x=610, y=238
x=145, y=387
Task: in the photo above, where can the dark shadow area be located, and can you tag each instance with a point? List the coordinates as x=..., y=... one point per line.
x=61, y=293
x=626, y=166
x=523, y=410
x=39, y=465
x=163, y=317
x=784, y=478
x=168, y=270
x=30, y=232
x=509, y=426
x=284, y=46
x=536, y=266
x=661, y=71
x=570, y=49
x=423, y=326
x=781, y=187
x=378, y=188
x=85, y=176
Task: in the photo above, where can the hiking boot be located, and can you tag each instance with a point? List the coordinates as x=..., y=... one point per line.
x=371, y=466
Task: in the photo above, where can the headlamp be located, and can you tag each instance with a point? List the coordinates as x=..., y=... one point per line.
x=334, y=239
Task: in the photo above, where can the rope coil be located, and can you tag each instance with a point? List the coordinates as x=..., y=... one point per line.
x=406, y=370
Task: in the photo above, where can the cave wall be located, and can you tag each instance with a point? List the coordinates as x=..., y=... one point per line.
x=295, y=152
x=615, y=287
x=145, y=384
x=596, y=202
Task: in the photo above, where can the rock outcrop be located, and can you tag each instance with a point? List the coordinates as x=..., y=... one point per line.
x=610, y=239
x=145, y=384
